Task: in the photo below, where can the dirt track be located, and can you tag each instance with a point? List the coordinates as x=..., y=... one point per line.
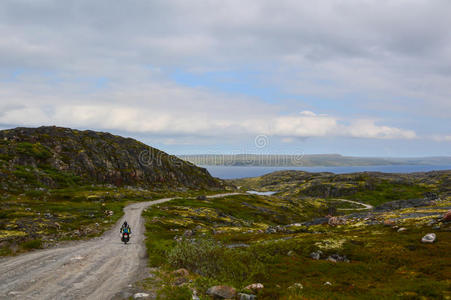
x=95, y=269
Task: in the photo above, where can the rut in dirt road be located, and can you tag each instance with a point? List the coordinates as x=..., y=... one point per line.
x=95, y=269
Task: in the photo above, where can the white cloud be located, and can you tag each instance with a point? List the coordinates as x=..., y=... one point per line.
x=191, y=112
x=368, y=129
x=441, y=138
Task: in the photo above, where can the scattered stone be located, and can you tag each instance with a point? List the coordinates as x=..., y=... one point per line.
x=222, y=292
x=242, y=296
x=389, y=222
x=181, y=272
x=140, y=295
x=108, y=213
x=254, y=287
x=271, y=230
x=334, y=221
x=429, y=238
x=201, y=197
x=337, y=258
x=316, y=255
x=188, y=233
x=296, y=286
x=402, y=229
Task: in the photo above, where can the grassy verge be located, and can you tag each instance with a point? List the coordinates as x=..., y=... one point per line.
x=224, y=241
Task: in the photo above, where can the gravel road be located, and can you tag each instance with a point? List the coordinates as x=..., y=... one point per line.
x=94, y=269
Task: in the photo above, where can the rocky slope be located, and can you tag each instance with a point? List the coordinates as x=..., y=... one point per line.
x=369, y=187
x=59, y=157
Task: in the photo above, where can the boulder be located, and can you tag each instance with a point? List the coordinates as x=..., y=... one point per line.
x=389, y=222
x=242, y=296
x=254, y=287
x=334, y=221
x=337, y=258
x=316, y=255
x=181, y=272
x=429, y=238
x=447, y=216
x=222, y=292
x=270, y=230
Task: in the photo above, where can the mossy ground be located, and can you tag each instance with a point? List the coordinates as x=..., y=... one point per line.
x=384, y=263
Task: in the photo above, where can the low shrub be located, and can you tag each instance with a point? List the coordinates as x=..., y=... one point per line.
x=208, y=258
x=174, y=293
x=32, y=244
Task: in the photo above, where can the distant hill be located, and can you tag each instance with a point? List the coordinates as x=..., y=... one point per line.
x=308, y=160
x=59, y=157
x=368, y=187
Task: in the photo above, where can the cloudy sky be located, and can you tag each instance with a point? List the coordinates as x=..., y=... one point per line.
x=363, y=77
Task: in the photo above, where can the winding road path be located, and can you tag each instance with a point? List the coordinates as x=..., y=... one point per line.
x=95, y=269
x=365, y=206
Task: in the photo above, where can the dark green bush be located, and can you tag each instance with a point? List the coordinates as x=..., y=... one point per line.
x=237, y=267
x=35, y=150
x=201, y=257
x=32, y=244
x=174, y=293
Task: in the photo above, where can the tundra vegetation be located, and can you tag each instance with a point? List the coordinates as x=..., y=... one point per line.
x=286, y=242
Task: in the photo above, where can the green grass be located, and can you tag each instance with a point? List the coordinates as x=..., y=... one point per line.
x=36, y=150
x=386, y=191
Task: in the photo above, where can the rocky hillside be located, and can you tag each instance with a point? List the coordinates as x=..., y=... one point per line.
x=59, y=157
x=368, y=187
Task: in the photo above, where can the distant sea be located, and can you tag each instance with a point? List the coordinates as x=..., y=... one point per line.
x=231, y=172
